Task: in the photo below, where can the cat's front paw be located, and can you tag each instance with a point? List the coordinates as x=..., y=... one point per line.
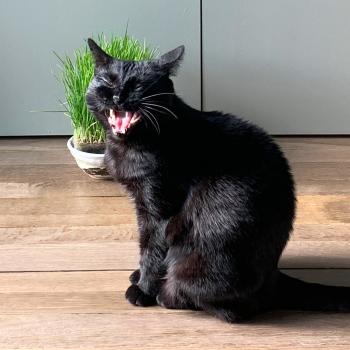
x=137, y=297
x=135, y=277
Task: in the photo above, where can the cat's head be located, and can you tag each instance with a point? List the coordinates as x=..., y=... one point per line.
x=123, y=94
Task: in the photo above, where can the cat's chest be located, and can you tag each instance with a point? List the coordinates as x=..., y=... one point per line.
x=130, y=166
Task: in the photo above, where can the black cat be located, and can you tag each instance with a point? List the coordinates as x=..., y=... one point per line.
x=214, y=197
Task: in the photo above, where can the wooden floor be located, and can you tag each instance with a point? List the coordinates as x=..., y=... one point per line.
x=67, y=246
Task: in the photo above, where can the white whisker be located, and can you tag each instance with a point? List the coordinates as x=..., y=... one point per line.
x=155, y=109
x=145, y=113
x=163, y=93
x=154, y=118
x=161, y=106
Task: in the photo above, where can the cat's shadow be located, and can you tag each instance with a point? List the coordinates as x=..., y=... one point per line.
x=311, y=262
x=328, y=270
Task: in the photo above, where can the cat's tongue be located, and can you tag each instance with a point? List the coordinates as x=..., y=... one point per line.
x=119, y=121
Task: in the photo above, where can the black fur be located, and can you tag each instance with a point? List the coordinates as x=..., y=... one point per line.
x=214, y=199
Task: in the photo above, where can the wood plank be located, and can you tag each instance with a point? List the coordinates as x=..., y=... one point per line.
x=321, y=177
x=124, y=256
x=316, y=150
x=343, y=140
x=174, y=330
x=66, y=234
x=33, y=143
x=42, y=156
x=56, y=180
x=320, y=232
x=323, y=209
x=63, y=282
x=54, y=219
x=101, y=302
x=64, y=206
x=60, y=189
x=69, y=256
x=53, y=189
x=24, y=212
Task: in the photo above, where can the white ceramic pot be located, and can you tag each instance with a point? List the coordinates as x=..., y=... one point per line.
x=91, y=163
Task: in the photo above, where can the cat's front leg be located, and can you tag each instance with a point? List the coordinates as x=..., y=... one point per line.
x=147, y=281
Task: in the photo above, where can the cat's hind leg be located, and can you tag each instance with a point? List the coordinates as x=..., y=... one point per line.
x=172, y=297
x=229, y=308
x=232, y=309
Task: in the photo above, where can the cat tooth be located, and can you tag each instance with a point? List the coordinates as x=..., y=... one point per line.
x=135, y=118
x=111, y=113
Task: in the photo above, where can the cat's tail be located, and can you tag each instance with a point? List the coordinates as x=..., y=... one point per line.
x=294, y=294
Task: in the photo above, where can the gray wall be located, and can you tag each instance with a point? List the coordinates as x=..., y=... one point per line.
x=284, y=64
x=31, y=30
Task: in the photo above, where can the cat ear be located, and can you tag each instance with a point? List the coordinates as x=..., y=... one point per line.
x=170, y=61
x=100, y=57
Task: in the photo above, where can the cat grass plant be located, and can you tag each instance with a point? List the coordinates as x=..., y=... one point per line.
x=76, y=74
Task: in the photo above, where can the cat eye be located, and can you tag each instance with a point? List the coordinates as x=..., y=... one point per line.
x=110, y=79
x=106, y=81
x=131, y=84
x=138, y=87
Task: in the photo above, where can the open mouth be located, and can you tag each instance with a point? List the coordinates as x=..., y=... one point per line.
x=121, y=121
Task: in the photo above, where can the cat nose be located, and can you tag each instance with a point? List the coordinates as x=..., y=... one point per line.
x=115, y=99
